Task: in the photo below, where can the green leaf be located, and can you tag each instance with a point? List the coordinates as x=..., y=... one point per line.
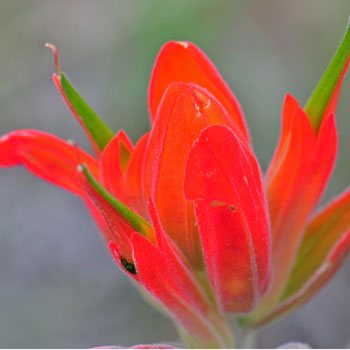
x=320, y=98
x=96, y=127
x=138, y=223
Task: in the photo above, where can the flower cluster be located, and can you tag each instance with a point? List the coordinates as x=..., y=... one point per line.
x=187, y=212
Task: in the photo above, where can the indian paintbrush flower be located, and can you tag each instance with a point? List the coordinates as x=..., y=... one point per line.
x=187, y=212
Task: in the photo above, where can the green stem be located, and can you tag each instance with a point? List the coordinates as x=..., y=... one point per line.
x=234, y=337
x=248, y=339
x=193, y=343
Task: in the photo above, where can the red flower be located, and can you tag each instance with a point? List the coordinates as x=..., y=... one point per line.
x=184, y=211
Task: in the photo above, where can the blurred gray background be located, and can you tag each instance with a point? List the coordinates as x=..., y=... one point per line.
x=58, y=285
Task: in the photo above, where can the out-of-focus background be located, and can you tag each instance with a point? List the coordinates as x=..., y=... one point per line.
x=58, y=285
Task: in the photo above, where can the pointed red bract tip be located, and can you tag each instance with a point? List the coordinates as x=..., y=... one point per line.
x=182, y=61
x=55, y=53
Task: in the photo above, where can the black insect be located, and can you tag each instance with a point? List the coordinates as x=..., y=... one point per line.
x=130, y=267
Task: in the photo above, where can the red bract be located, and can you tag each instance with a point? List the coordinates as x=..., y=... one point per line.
x=224, y=180
x=187, y=213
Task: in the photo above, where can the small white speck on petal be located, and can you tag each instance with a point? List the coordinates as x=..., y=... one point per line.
x=184, y=44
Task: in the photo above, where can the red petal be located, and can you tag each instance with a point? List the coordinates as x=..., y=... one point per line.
x=113, y=161
x=133, y=177
x=295, y=182
x=323, y=160
x=184, y=281
x=125, y=149
x=158, y=279
x=290, y=106
x=46, y=156
x=184, y=62
x=125, y=141
x=166, y=276
x=287, y=175
x=224, y=179
x=111, y=172
x=124, y=182
x=185, y=110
